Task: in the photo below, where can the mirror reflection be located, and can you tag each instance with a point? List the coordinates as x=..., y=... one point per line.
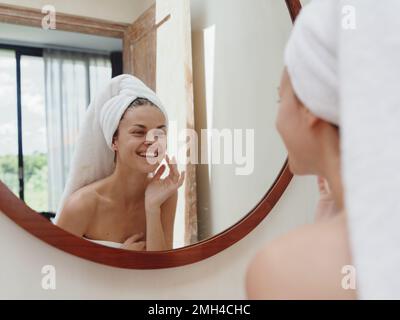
x=153, y=143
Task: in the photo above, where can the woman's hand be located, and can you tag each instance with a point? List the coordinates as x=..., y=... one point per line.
x=159, y=190
x=326, y=207
x=133, y=243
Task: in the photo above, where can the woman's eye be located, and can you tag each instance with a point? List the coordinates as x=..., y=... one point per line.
x=138, y=132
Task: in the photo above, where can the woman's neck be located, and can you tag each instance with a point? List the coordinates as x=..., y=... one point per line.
x=127, y=185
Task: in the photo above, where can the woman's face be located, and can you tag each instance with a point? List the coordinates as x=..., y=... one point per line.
x=295, y=125
x=142, y=137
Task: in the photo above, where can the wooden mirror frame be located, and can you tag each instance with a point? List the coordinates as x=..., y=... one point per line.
x=41, y=228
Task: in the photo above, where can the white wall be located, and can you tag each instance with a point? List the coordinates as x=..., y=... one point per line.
x=219, y=277
x=246, y=62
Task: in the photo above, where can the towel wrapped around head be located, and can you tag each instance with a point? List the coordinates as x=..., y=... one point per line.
x=93, y=156
x=311, y=59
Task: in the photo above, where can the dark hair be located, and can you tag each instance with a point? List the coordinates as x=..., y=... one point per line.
x=136, y=103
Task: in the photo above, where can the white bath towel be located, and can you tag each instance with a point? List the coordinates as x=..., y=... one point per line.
x=311, y=59
x=343, y=60
x=93, y=156
x=106, y=243
x=370, y=112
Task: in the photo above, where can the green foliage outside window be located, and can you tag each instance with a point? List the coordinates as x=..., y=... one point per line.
x=35, y=178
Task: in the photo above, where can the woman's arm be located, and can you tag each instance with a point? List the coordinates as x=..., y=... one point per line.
x=155, y=238
x=160, y=204
x=160, y=225
x=168, y=212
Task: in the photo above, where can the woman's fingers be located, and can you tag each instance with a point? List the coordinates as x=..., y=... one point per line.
x=170, y=174
x=159, y=173
x=141, y=245
x=172, y=166
x=175, y=168
x=174, y=179
x=174, y=173
x=137, y=246
x=321, y=185
x=134, y=238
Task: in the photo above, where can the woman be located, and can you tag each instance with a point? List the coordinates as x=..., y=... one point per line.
x=127, y=208
x=308, y=262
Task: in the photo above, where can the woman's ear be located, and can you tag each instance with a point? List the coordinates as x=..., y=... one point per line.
x=115, y=148
x=114, y=145
x=311, y=119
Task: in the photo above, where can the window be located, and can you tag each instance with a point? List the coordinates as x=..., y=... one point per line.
x=34, y=138
x=8, y=121
x=30, y=135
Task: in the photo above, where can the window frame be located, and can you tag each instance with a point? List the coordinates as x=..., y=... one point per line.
x=21, y=51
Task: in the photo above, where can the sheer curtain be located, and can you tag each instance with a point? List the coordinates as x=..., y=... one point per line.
x=71, y=81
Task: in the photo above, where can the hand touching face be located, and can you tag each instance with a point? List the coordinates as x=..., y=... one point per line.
x=159, y=190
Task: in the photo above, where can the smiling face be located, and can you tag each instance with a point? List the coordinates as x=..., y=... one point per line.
x=140, y=141
x=299, y=129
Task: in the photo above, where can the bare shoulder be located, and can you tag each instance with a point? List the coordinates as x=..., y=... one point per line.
x=304, y=264
x=79, y=210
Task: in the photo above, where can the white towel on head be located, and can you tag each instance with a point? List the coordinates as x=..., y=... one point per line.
x=370, y=112
x=93, y=156
x=311, y=59
x=351, y=77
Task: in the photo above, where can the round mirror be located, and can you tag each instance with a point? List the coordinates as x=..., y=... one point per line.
x=216, y=65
